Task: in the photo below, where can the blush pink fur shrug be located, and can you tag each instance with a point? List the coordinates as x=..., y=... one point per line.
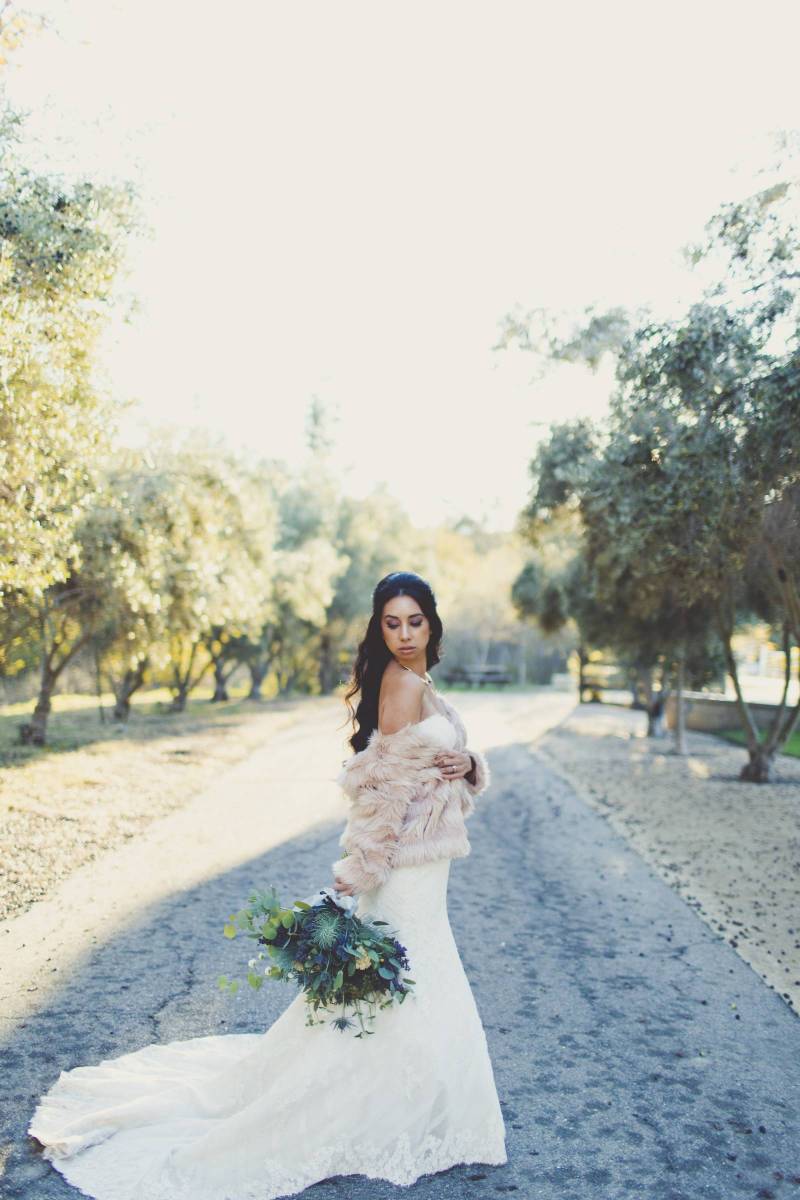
x=402, y=810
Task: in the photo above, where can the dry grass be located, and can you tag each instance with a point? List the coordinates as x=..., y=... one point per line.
x=98, y=784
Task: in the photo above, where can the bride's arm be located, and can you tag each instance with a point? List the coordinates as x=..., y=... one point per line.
x=381, y=801
x=479, y=778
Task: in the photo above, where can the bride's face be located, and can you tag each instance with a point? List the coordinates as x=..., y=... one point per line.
x=405, y=629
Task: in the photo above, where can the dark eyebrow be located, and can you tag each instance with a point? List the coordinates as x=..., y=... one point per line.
x=396, y=618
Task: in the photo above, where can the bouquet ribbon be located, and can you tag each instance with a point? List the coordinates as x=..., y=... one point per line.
x=348, y=903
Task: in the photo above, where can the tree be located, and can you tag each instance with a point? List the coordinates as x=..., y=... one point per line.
x=552, y=337
x=216, y=543
x=559, y=472
x=606, y=589
x=692, y=480
x=373, y=534
x=679, y=502
x=102, y=590
x=753, y=246
x=475, y=571
x=16, y=23
x=311, y=563
x=60, y=252
x=129, y=638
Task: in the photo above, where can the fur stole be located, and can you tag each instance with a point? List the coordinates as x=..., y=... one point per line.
x=402, y=811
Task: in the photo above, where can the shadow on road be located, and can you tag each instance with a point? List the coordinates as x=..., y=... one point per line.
x=635, y=1054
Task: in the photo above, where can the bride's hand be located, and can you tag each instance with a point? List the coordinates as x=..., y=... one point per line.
x=346, y=889
x=455, y=764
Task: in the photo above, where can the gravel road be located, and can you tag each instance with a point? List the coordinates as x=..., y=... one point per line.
x=730, y=849
x=636, y=1055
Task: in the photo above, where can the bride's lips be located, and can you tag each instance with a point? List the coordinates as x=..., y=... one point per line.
x=405, y=649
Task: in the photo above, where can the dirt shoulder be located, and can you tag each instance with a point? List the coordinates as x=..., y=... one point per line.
x=100, y=785
x=730, y=849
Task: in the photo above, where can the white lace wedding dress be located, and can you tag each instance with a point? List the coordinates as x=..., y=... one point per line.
x=262, y=1115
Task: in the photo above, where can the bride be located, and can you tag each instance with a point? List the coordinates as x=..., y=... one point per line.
x=263, y=1115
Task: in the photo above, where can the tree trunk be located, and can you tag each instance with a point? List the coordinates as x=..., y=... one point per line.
x=582, y=661
x=680, y=712
x=183, y=682
x=655, y=716
x=258, y=673
x=522, y=671
x=645, y=677
x=641, y=677
x=759, y=766
x=660, y=702
x=98, y=684
x=131, y=681
x=289, y=682
x=34, y=732
x=220, y=682
x=784, y=721
x=327, y=667
x=759, y=759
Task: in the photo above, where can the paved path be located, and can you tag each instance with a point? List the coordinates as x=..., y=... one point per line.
x=635, y=1054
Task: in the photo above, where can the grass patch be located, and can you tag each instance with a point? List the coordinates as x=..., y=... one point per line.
x=76, y=721
x=792, y=747
x=99, y=783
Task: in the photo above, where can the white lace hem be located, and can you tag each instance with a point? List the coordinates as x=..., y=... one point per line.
x=402, y=1167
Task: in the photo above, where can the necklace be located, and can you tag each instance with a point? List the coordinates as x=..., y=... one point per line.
x=425, y=678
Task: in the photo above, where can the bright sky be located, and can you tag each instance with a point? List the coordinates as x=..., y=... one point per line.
x=346, y=198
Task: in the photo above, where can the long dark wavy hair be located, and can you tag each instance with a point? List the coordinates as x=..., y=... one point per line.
x=373, y=654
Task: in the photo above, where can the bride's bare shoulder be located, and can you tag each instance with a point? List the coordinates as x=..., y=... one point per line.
x=400, y=698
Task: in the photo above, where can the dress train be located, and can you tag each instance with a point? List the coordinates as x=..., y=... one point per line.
x=264, y=1115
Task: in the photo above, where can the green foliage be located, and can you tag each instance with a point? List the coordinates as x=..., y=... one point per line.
x=791, y=746
x=553, y=610
x=16, y=24
x=60, y=252
x=527, y=591
x=691, y=482
x=560, y=467
x=326, y=928
x=553, y=337
x=337, y=958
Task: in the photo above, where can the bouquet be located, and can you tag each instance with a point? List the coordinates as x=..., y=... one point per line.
x=337, y=958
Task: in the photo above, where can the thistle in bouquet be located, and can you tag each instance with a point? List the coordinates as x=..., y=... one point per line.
x=338, y=960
